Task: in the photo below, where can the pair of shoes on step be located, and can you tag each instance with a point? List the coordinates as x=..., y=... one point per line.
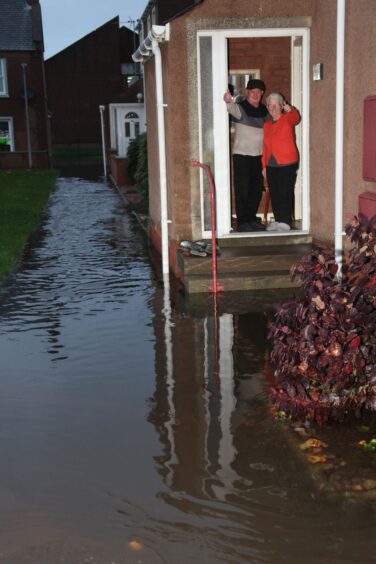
x=203, y=248
x=278, y=227
x=251, y=226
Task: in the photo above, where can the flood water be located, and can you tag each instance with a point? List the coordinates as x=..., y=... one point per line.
x=133, y=428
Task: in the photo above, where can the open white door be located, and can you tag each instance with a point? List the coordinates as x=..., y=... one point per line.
x=213, y=80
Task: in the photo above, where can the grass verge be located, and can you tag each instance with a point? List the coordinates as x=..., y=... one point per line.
x=23, y=196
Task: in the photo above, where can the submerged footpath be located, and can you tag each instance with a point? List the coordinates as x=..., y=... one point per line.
x=340, y=459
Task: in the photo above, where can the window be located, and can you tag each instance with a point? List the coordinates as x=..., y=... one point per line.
x=207, y=121
x=3, y=78
x=6, y=135
x=132, y=125
x=369, y=139
x=116, y=136
x=130, y=73
x=239, y=79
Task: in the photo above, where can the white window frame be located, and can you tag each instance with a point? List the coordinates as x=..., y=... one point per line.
x=246, y=74
x=9, y=119
x=221, y=121
x=3, y=74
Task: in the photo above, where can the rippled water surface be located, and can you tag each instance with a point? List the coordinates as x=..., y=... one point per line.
x=132, y=428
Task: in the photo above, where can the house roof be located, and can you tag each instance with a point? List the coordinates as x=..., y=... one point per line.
x=16, y=26
x=112, y=22
x=172, y=9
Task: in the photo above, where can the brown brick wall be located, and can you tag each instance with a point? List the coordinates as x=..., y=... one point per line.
x=14, y=106
x=82, y=77
x=269, y=54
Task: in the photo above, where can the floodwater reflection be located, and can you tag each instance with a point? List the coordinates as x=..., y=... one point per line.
x=133, y=426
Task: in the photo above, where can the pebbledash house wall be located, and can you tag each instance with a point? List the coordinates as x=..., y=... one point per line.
x=360, y=82
x=179, y=57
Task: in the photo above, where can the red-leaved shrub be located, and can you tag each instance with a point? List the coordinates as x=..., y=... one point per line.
x=324, y=343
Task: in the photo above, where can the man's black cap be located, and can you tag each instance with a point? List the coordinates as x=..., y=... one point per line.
x=255, y=83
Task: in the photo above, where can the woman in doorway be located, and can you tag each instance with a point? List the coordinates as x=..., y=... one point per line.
x=280, y=160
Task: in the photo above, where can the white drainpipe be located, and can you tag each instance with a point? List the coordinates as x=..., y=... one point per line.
x=162, y=156
x=340, y=71
x=150, y=45
x=101, y=110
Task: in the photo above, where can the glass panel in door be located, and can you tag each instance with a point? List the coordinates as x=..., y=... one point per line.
x=207, y=122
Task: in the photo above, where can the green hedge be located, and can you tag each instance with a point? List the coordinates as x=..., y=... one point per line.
x=137, y=165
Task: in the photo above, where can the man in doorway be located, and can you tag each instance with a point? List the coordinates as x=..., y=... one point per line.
x=248, y=116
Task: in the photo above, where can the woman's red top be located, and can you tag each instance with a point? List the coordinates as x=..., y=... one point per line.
x=279, y=139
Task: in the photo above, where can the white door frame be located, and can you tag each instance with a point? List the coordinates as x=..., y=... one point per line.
x=118, y=114
x=300, y=97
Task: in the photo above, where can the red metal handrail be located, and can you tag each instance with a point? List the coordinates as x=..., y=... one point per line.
x=215, y=288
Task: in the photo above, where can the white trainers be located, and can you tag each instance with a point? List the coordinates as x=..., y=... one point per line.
x=283, y=227
x=273, y=226
x=278, y=226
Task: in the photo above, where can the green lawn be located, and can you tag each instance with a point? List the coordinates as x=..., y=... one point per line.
x=23, y=196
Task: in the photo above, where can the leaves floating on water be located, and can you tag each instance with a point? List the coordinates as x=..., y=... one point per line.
x=369, y=484
x=283, y=416
x=313, y=443
x=135, y=545
x=369, y=446
x=317, y=458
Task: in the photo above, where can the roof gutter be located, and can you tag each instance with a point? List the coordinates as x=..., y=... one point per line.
x=158, y=34
x=151, y=46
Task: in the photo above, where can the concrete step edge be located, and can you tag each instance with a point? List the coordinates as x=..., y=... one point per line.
x=241, y=282
x=191, y=266
x=266, y=240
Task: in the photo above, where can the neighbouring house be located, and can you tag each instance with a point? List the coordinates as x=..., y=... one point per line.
x=24, y=127
x=96, y=72
x=300, y=48
x=125, y=120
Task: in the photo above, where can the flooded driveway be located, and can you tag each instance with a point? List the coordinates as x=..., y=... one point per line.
x=124, y=436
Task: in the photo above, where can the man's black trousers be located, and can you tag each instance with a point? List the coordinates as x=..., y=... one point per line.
x=248, y=185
